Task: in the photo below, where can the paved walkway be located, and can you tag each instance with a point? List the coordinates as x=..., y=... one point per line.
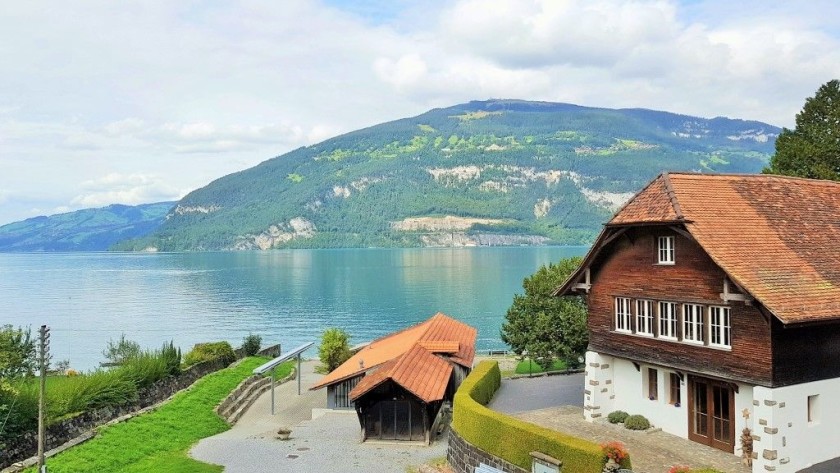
x=329, y=443
x=529, y=394
x=555, y=402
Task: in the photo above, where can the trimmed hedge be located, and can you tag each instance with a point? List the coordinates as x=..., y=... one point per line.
x=513, y=439
x=617, y=417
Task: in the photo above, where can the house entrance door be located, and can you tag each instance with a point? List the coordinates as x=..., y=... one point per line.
x=711, y=405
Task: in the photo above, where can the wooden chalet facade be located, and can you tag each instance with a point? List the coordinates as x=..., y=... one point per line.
x=398, y=383
x=714, y=305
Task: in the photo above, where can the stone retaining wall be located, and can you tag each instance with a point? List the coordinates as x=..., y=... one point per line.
x=463, y=457
x=61, y=432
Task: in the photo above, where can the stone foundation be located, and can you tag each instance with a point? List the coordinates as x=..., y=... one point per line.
x=463, y=457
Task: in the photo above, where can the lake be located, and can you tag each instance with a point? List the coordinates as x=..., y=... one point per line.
x=285, y=296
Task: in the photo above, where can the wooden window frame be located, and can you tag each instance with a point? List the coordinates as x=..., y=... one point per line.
x=671, y=323
x=675, y=397
x=653, y=384
x=623, y=319
x=693, y=323
x=720, y=329
x=666, y=250
x=645, y=318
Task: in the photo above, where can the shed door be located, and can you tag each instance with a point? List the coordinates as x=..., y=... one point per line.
x=395, y=420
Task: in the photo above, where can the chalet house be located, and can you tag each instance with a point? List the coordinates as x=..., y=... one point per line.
x=397, y=384
x=714, y=306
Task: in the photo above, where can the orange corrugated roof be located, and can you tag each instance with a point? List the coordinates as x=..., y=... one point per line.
x=776, y=237
x=417, y=370
x=439, y=328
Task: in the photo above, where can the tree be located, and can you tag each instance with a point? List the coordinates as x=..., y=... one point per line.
x=547, y=327
x=334, y=349
x=121, y=351
x=17, y=352
x=812, y=148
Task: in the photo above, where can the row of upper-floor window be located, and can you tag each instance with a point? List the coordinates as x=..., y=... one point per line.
x=687, y=322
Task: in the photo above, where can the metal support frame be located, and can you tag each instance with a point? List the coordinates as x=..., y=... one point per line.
x=272, y=367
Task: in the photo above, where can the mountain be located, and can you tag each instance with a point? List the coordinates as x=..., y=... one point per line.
x=485, y=172
x=83, y=230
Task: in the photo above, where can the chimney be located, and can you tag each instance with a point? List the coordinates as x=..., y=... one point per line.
x=361, y=364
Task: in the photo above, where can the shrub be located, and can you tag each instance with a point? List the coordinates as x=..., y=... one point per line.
x=636, y=422
x=210, y=351
x=172, y=358
x=679, y=469
x=334, y=349
x=513, y=439
x=617, y=417
x=121, y=351
x=251, y=344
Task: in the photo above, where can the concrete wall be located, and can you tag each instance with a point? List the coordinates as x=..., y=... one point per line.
x=784, y=439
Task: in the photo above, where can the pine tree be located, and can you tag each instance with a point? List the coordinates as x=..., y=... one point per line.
x=812, y=148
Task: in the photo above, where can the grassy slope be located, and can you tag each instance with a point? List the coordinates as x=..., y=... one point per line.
x=159, y=440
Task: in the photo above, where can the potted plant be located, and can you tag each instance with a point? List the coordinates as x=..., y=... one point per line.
x=283, y=433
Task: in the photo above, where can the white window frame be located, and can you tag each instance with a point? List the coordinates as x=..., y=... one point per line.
x=693, y=323
x=645, y=314
x=720, y=327
x=667, y=320
x=622, y=315
x=666, y=250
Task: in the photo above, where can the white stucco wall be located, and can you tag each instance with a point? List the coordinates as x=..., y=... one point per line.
x=631, y=391
x=786, y=441
x=630, y=387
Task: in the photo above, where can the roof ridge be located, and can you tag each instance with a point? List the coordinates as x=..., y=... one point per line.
x=754, y=175
x=672, y=196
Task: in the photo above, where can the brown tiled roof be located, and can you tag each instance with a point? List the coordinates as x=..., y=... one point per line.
x=776, y=237
x=439, y=329
x=417, y=370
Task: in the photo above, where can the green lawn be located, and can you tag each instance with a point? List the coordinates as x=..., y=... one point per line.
x=528, y=366
x=159, y=440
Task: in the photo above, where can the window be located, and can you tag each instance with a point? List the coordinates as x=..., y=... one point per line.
x=653, y=384
x=693, y=323
x=719, y=327
x=644, y=317
x=674, y=379
x=622, y=314
x=666, y=250
x=668, y=320
x=813, y=409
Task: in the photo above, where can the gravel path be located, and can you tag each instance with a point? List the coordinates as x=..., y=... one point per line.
x=329, y=443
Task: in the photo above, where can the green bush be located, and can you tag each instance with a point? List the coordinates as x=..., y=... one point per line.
x=513, y=439
x=636, y=422
x=617, y=417
x=210, y=351
x=251, y=344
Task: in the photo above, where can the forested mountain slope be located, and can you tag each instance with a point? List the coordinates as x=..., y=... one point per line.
x=83, y=230
x=484, y=172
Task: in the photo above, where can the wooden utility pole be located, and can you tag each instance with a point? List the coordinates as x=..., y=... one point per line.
x=43, y=361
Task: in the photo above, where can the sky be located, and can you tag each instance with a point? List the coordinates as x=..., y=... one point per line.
x=107, y=102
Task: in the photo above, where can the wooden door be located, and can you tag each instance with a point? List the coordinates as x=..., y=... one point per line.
x=711, y=407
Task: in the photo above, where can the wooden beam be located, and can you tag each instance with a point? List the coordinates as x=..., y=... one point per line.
x=587, y=284
x=682, y=232
x=727, y=296
x=612, y=237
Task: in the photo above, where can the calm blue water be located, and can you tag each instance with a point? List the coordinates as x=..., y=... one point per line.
x=287, y=296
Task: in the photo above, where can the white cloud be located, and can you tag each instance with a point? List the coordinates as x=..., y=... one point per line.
x=192, y=91
x=129, y=189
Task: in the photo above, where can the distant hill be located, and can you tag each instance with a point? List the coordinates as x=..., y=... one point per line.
x=83, y=230
x=481, y=173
